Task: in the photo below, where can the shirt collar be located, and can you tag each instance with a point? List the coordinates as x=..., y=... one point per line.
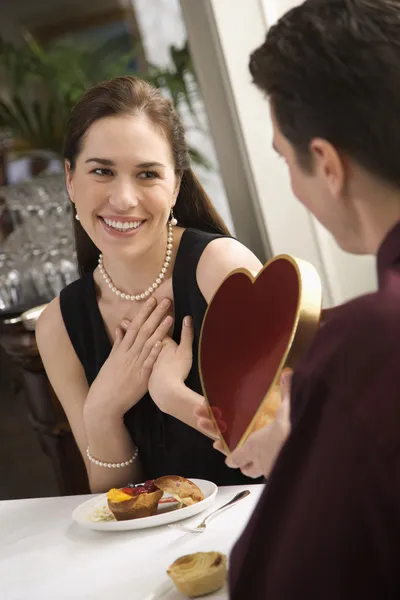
x=388, y=253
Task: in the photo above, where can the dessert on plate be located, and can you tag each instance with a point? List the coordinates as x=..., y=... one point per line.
x=183, y=490
x=142, y=500
x=199, y=574
x=134, y=502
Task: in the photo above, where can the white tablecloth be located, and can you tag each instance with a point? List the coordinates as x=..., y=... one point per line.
x=44, y=555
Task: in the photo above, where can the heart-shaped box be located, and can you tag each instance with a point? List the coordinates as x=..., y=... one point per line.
x=255, y=327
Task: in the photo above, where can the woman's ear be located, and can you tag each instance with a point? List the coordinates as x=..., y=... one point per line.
x=68, y=180
x=176, y=190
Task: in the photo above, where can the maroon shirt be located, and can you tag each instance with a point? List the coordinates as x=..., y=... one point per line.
x=327, y=526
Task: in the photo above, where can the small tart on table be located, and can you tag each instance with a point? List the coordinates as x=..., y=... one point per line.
x=134, y=502
x=199, y=574
x=183, y=490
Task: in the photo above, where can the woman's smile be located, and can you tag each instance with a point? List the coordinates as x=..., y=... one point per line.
x=121, y=226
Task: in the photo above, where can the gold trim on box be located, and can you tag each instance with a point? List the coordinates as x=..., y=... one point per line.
x=305, y=326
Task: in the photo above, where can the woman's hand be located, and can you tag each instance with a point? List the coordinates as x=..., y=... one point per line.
x=123, y=379
x=172, y=368
x=258, y=454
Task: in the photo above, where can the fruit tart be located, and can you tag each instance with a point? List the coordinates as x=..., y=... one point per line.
x=134, y=501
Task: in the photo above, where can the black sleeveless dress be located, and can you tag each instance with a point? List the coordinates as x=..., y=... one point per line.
x=166, y=445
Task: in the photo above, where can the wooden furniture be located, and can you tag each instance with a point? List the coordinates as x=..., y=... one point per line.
x=44, y=410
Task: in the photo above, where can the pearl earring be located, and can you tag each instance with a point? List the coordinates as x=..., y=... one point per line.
x=77, y=217
x=173, y=221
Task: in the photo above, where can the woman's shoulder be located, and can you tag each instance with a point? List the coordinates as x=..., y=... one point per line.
x=61, y=362
x=50, y=325
x=219, y=258
x=191, y=246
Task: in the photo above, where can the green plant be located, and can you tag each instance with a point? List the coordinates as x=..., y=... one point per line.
x=41, y=86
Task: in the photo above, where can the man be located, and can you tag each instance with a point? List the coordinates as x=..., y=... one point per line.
x=328, y=524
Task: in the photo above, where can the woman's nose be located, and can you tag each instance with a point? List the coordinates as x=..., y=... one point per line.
x=123, y=197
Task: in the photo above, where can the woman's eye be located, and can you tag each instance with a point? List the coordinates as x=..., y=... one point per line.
x=102, y=172
x=147, y=175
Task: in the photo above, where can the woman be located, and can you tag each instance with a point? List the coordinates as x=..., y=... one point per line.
x=151, y=251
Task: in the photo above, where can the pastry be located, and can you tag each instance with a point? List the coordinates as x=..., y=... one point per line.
x=199, y=574
x=180, y=488
x=134, y=502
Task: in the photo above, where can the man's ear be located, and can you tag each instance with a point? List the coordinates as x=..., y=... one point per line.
x=330, y=165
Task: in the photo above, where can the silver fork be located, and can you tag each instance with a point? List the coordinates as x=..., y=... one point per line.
x=202, y=527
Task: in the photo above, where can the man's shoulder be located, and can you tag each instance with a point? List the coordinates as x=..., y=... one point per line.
x=354, y=349
x=373, y=318
x=353, y=369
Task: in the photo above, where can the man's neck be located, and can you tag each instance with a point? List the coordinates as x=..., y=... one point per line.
x=378, y=213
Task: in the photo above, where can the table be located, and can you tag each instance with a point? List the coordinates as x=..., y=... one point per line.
x=44, y=555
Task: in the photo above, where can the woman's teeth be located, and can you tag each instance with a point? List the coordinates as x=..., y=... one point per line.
x=122, y=225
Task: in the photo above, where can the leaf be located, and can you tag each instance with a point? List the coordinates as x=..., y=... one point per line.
x=46, y=126
x=52, y=130
x=9, y=119
x=24, y=115
x=45, y=83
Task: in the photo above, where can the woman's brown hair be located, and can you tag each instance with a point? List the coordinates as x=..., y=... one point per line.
x=131, y=95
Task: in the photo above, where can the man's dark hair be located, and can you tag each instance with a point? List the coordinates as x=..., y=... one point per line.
x=331, y=69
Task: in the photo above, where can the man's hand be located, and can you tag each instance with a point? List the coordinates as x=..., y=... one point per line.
x=258, y=454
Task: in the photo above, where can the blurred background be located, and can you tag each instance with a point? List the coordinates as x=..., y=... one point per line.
x=197, y=52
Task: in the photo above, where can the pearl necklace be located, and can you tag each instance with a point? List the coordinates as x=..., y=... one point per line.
x=157, y=282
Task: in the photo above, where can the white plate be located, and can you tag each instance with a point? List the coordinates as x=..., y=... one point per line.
x=82, y=514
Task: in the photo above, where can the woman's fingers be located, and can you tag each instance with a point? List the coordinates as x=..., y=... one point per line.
x=207, y=427
x=185, y=348
x=202, y=411
x=152, y=357
x=160, y=335
x=132, y=325
x=119, y=336
x=145, y=323
x=206, y=424
x=156, y=326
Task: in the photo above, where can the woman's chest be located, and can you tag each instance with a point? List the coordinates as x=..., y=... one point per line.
x=115, y=311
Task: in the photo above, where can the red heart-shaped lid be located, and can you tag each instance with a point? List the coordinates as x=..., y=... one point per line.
x=253, y=328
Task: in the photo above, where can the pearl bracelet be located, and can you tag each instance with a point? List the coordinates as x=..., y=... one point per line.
x=100, y=463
